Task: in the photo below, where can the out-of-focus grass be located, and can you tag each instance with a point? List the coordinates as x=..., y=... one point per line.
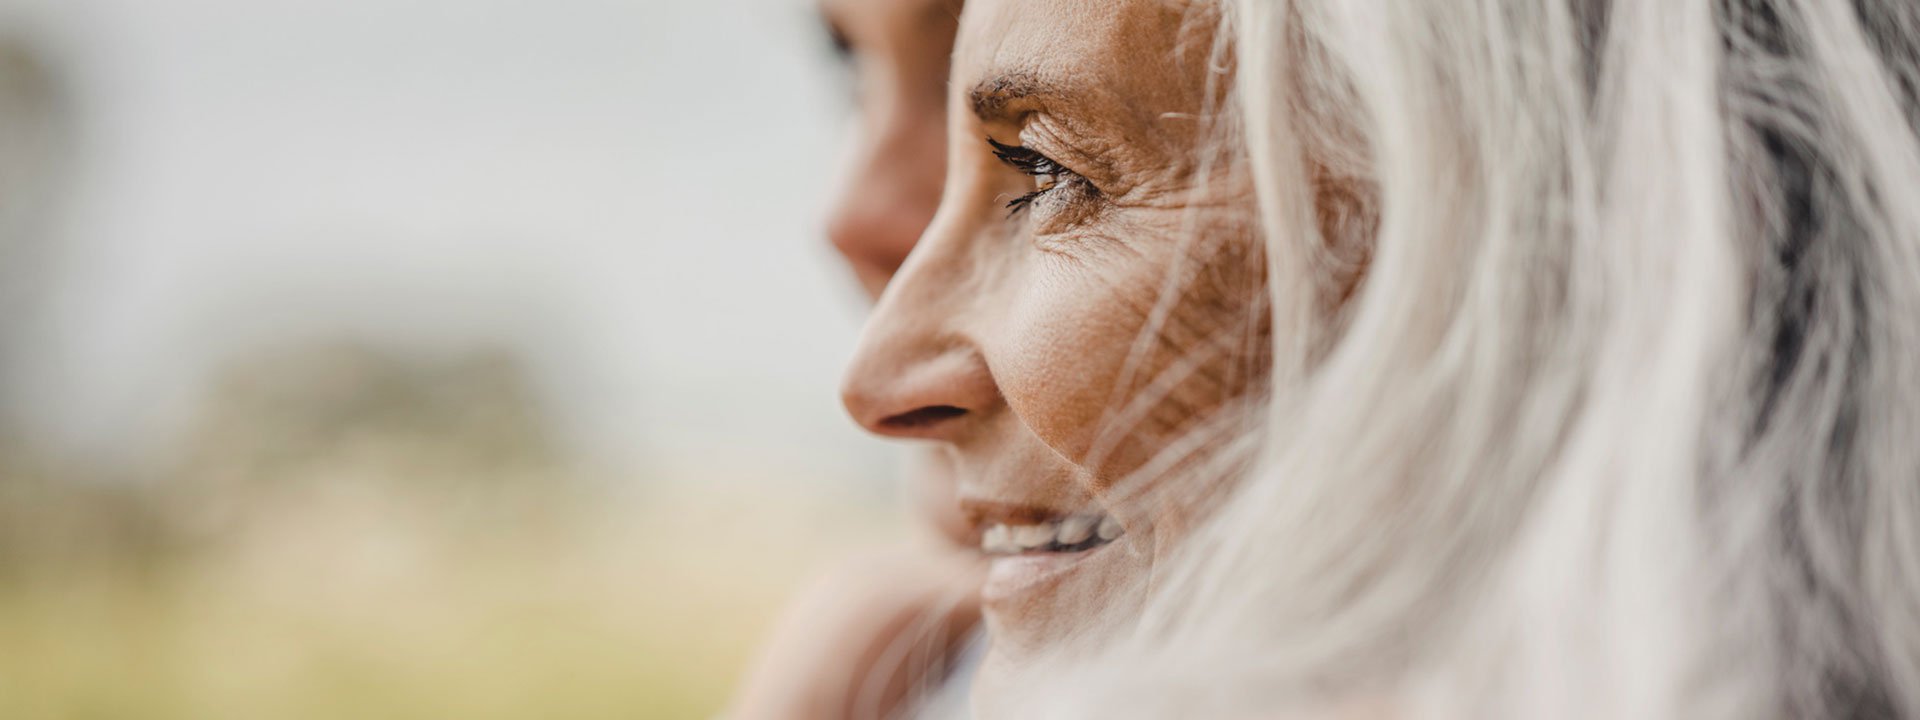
x=384, y=574
x=349, y=611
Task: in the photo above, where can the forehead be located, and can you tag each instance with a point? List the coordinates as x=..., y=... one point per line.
x=1141, y=58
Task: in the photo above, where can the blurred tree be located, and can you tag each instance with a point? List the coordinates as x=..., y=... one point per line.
x=35, y=132
x=463, y=433
x=348, y=409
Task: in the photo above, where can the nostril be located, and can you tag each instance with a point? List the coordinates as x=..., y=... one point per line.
x=911, y=385
x=922, y=418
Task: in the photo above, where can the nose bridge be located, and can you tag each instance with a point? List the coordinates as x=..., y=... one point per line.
x=916, y=372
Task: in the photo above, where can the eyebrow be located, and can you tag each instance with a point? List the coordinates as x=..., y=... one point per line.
x=993, y=98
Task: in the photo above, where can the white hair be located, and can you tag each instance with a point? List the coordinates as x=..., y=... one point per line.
x=1622, y=419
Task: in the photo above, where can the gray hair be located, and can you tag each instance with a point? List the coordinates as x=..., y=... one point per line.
x=1623, y=418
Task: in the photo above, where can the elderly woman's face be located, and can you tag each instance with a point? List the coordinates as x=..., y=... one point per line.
x=1087, y=293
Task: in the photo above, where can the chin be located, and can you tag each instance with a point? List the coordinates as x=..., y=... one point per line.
x=1041, y=602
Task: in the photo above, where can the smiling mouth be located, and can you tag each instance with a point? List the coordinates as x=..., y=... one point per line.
x=1072, y=534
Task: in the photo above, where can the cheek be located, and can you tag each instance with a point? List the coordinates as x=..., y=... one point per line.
x=1081, y=373
x=1066, y=346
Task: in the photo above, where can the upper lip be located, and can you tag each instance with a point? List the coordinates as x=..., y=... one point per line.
x=1002, y=495
x=986, y=513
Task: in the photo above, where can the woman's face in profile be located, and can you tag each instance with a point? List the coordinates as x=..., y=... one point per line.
x=1087, y=294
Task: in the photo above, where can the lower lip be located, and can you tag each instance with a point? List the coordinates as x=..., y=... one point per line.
x=1011, y=576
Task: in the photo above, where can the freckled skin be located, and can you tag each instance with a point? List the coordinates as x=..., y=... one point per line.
x=1049, y=328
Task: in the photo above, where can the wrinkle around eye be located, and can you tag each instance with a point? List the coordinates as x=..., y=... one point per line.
x=1096, y=241
x=1088, y=154
x=1088, y=249
x=1071, y=204
x=1123, y=163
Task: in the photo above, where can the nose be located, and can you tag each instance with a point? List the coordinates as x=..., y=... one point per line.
x=931, y=396
x=874, y=231
x=916, y=373
x=888, y=195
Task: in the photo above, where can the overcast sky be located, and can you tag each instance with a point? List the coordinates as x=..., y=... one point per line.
x=628, y=192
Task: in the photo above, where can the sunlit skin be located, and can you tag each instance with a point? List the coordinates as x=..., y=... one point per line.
x=1017, y=339
x=839, y=652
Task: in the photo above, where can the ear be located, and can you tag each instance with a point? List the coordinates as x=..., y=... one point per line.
x=1348, y=210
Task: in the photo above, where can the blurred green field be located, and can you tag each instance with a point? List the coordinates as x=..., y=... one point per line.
x=344, y=610
x=412, y=555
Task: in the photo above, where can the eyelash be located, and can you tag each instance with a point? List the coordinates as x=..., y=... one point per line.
x=1030, y=162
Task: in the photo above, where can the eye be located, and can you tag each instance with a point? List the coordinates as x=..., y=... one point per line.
x=1047, y=175
x=840, y=42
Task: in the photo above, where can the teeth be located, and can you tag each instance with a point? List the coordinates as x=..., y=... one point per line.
x=1033, y=536
x=1076, y=530
x=998, y=540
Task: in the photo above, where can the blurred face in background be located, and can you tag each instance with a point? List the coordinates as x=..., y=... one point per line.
x=899, y=51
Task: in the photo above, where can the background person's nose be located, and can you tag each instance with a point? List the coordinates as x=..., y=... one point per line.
x=889, y=194
x=875, y=228
x=930, y=396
